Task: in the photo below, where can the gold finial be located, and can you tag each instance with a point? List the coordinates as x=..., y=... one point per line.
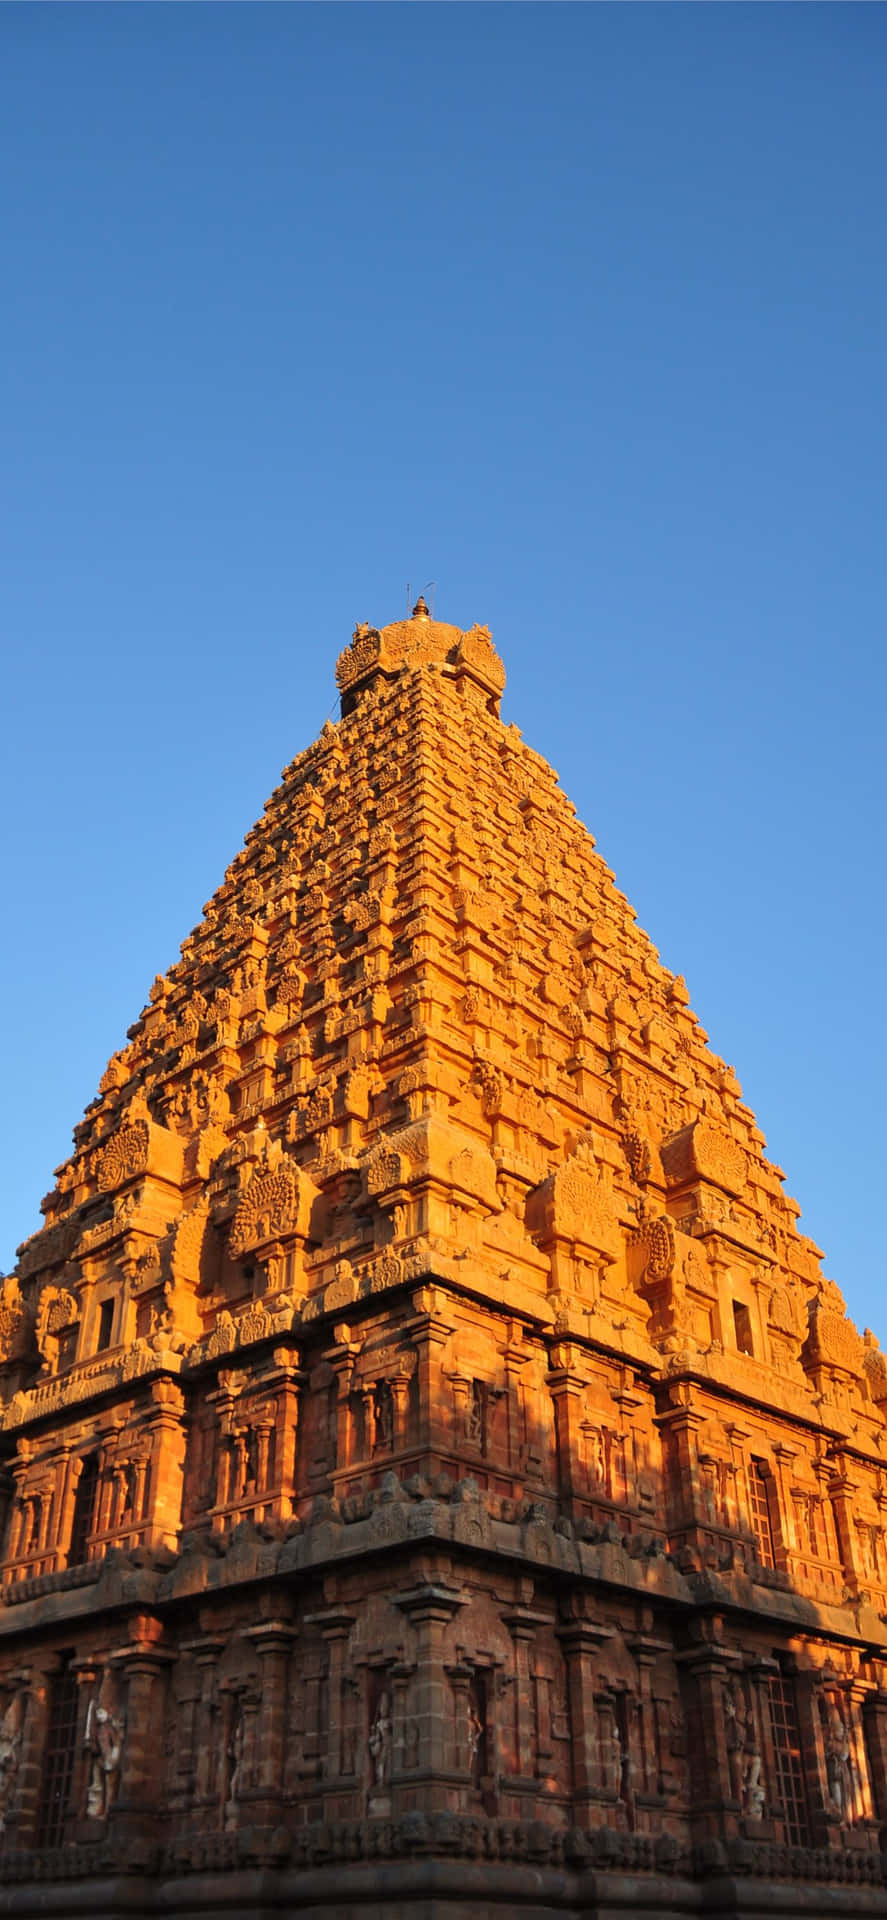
x=420, y=610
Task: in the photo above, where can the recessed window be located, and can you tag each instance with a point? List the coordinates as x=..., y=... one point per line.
x=761, y=1495
x=106, y=1321
x=84, y=1510
x=742, y=1324
x=58, y=1758
x=789, y=1760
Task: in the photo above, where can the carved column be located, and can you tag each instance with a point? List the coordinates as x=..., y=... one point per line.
x=167, y=1429
x=400, y=1675
x=335, y=1624
x=567, y=1390
x=784, y=1530
x=516, y=1357
x=400, y=1394
x=142, y=1788
x=581, y=1641
x=38, y=1681
x=63, y=1503
x=430, y=1335
x=679, y=1427
x=287, y=1432
x=874, y=1720
x=706, y=1671
x=207, y=1737
x=430, y=1607
x=263, y=1430
x=523, y=1625
x=843, y=1497
x=646, y=1650
x=341, y=1360
x=273, y=1641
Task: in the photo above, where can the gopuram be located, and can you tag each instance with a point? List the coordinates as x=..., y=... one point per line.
x=439, y=1479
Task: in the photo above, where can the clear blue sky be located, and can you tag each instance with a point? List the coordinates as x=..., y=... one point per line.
x=577, y=310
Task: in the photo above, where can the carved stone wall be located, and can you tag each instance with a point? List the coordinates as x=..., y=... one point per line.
x=427, y=1437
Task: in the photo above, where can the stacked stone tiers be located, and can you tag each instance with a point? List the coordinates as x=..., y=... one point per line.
x=438, y=1474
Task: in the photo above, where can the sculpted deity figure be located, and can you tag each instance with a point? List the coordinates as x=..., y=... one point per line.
x=10, y=1747
x=103, y=1739
x=840, y=1772
x=597, y=1463
x=474, y=1417
x=475, y=1731
x=380, y=1742
x=234, y=1765
x=734, y=1716
x=616, y=1758
x=744, y=1753
x=383, y=1418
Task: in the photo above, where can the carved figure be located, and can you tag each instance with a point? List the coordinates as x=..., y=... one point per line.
x=234, y=1766
x=10, y=1748
x=380, y=1742
x=734, y=1717
x=474, y=1417
x=839, y=1768
x=103, y=1739
x=383, y=1418
x=744, y=1753
x=475, y=1732
x=597, y=1462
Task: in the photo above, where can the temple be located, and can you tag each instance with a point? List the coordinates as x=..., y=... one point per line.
x=438, y=1476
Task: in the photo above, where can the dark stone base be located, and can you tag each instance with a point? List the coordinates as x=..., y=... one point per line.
x=439, y=1868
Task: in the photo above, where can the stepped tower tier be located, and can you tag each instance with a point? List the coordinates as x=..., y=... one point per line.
x=430, y=1445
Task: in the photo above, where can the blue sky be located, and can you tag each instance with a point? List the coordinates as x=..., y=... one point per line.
x=577, y=310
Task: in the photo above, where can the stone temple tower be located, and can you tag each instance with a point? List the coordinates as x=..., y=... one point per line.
x=439, y=1479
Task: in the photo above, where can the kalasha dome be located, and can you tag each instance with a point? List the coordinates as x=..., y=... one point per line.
x=439, y=1479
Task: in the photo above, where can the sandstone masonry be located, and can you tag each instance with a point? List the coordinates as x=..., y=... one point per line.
x=439, y=1478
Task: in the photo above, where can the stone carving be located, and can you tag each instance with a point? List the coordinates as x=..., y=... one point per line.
x=57, y=1311
x=656, y=1235
x=743, y=1752
x=47, y=1248
x=14, y=1321
x=380, y=1744
x=444, y=1465
x=125, y=1156
x=488, y=1081
x=476, y=653
x=189, y=1245
x=576, y=1204
x=474, y=1736
x=234, y=1765
x=875, y=1363
x=832, y=1340
x=10, y=1750
x=269, y=1210
x=841, y=1779
x=103, y=1739
x=223, y=1338
x=703, y=1151
x=786, y=1313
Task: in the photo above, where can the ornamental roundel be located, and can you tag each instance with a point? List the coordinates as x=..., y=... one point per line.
x=659, y=1236
x=583, y=1208
x=359, y=657
x=124, y=1156
x=269, y=1209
